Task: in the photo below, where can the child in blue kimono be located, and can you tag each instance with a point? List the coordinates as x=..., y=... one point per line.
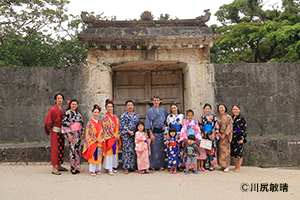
x=173, y=150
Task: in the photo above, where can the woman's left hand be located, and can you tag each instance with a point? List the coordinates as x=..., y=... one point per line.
x=241, y=141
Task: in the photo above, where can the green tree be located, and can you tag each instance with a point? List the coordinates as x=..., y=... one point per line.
x=251, y=34
x=39, y=33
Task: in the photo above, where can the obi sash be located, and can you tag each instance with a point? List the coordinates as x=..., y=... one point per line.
x=56, y=129
x=191, y=132
x=75, y=127
x=207, y=127
x=173, y=144
x=237, y=129
x=177, y=126
x=157, y=130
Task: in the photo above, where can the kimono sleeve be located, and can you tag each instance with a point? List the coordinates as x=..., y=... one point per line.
x=48, y=122
x=183, y=133
x=244, y=129
x=66, y=121
x=123, y=124
x=148, y=120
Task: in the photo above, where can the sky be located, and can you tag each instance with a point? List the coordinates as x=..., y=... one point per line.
x=132, y=9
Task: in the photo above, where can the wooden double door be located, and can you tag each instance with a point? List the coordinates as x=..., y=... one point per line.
x=140, y=86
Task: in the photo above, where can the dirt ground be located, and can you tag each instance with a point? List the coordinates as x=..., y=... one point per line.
x=35, y=181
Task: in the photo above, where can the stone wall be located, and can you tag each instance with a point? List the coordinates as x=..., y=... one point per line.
x=268, y=94
x=26, y=95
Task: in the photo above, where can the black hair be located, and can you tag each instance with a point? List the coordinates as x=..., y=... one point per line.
x=155, y=97
x=109, y=101
x=128, y=101
x=237, y=106
x=174, y=104
x=140, y=122
x=172, y=129
x=55, y=96
x=69, y=106
x=222, y=105
x=191, y=137
x=189, y=111
x=96, y=107
x=207, y=104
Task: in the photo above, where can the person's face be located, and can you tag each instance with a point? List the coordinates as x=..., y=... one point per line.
x=191, y=142
x=207, y=110
x=59, y=100
x=74, y=105
x=221, y=109
x=109, y=108
x=235, y=110
x=129, y=107
x=140, y=127
x=172, y=134
x=190, y=116
x=156, y=102
x=95, y=114
x=174, y=109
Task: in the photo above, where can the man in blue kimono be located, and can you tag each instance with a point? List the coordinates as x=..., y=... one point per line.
x=128, y=122
x=155, y=124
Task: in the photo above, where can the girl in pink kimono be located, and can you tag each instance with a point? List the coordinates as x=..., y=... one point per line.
x=142, y=148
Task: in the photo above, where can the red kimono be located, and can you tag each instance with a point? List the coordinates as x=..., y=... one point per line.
x=53, y=126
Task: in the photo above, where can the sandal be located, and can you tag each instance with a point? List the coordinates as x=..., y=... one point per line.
x=111, y=172
x=56, y=173
x=211, y=169
x=63, y=169
x=152, y=170
x=147, y=171
x=162, y=169
x=73, y=172
x=126, y=171
x=141, y=172
x=77, y=171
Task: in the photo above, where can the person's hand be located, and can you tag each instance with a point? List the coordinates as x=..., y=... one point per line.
x=181, y=153
x=130, y=133
x=167, y=142
x=212, y=137
x=222, y=136
x=70, y=137
x=117, y=137
x=152, y=137
x=163, y=128
x=241, y=141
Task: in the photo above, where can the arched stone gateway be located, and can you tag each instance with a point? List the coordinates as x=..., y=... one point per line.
x=138, y=59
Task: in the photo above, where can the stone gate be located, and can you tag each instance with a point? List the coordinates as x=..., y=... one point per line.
x=141, y=58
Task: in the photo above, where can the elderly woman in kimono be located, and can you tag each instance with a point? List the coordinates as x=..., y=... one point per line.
x=111, y=128
x=155, y=123
x=94, y=143
x=128, y=123
x=225, y=122
x=72, y=128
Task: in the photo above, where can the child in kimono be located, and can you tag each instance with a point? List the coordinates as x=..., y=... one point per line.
x=173, y=150
x=142, y=148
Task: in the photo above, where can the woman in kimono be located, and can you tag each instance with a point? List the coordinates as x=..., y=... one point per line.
x=94, y=143
x=72, y=128
x=111, y=128
x=189, y=127
x=225, y=122
x=175, y=119
x=210, y=128
x=239, y=137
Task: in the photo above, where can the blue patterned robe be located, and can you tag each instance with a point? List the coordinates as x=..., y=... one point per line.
x=128, y=122
x=155, y=120
x=173, y=152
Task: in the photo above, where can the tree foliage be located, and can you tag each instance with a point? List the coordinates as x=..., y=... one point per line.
x=39, y=33
x=251, y=34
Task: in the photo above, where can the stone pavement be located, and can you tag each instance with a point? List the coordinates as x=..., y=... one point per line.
x=35, y=181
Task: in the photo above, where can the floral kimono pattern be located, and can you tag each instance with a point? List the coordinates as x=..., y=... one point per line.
x=239, y=132
x=128, y=122
x=142, y=147
x=93, y=150
x=172, y=151
x=190, y=128
x=209, y=125
x=72, y=123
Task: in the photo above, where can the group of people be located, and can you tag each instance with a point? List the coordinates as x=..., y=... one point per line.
x=188, y=144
